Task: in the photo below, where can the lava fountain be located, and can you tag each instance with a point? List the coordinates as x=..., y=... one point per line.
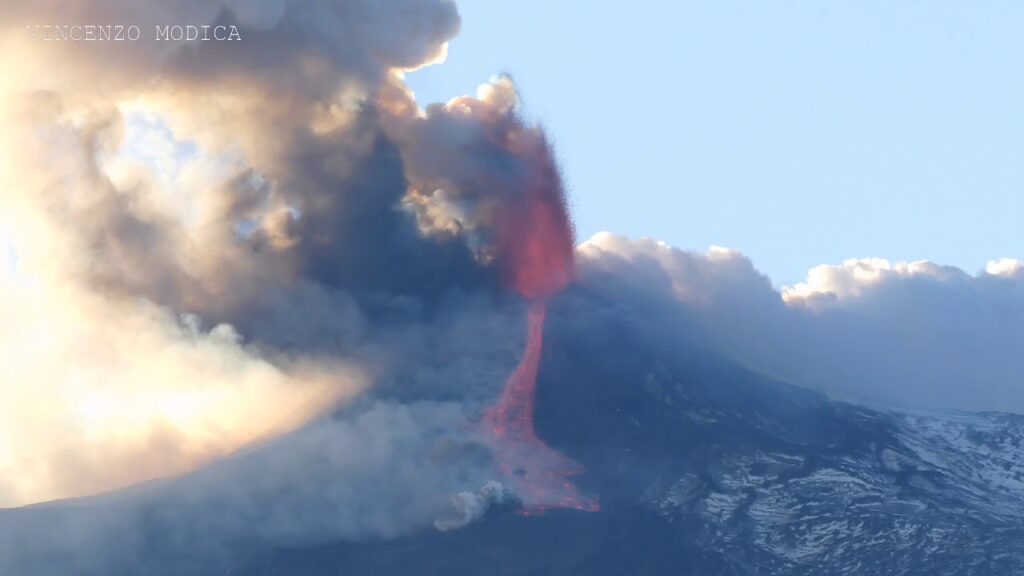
x=536, y=248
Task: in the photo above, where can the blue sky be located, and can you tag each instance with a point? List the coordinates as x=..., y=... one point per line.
x=799, y=132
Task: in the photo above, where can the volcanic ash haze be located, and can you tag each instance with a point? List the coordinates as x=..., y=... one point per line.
x=217, y=243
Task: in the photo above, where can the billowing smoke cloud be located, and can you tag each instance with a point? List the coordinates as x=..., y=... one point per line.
x=471, y=506
x=100, y=395
x=915, y=335
x=378, y=470
x=216, y=242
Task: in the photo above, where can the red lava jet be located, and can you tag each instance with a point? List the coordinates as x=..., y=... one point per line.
x=536, y=246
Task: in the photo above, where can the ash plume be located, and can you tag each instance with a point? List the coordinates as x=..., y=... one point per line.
x=220, y=243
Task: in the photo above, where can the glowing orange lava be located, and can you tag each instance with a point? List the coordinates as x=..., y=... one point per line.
x=539, y=474
x=536, y=247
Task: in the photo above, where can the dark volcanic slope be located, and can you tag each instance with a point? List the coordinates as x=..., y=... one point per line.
x=703, y=467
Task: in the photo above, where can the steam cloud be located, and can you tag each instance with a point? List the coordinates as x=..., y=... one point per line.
x=472, y=506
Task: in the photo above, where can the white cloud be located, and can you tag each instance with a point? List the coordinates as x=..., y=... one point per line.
x=914, y=334
x=1004, y=267
x=851, y=279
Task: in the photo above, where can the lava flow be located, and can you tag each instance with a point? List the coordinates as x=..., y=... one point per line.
x=538, y=472
x=537, y=248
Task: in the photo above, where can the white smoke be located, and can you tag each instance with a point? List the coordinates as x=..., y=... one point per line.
x=471, y=506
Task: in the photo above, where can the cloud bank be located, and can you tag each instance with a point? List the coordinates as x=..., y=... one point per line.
x=908, y=334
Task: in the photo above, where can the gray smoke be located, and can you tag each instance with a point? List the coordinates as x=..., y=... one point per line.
x=243, y=277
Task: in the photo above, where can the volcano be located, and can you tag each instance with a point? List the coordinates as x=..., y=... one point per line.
x=707, y=467
x=703, y=467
